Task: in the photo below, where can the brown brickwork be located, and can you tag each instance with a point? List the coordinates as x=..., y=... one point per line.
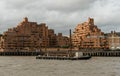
x=88, y=35
x=62, y=40
x=28, y=36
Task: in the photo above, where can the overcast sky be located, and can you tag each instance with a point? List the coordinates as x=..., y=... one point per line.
x=61, y=15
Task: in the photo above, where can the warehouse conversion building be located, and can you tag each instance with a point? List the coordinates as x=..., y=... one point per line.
x=30, y=36
x=88, y=36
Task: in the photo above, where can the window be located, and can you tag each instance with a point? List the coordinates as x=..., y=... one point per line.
x=82, y=27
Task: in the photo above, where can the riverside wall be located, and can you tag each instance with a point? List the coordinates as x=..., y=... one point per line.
x=103, y=53
x=62, y=51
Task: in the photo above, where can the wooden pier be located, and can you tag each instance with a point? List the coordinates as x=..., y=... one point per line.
x=20, y=53
x=90, y=53
x=103, y=53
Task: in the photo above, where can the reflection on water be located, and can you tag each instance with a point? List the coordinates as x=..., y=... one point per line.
x=29, y=66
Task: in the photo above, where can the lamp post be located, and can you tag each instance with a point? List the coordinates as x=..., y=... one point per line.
x=69, y=52
x=70, y=41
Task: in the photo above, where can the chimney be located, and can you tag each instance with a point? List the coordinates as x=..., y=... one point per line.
x=91, y=21
x=25, y=19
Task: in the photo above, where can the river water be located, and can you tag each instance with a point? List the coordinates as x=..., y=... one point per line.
x=29, y=66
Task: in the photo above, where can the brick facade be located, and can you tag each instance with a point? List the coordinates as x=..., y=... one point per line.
x=88, y=35
x=28, y=36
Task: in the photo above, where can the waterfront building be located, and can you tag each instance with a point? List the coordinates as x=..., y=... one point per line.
x=28, y=36
x=88, y=35
x=114, y=40
x=62, y=41
x=1, y=42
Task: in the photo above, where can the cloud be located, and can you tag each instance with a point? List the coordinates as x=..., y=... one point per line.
x=107, y=14
x=61, y=15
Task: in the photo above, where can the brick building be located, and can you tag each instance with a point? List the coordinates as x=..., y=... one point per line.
x=62, y=40
x=114, y=40
x=88, y=35
x=31, y=36
x=28, y=36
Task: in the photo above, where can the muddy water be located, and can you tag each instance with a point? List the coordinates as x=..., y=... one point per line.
x=29, y=66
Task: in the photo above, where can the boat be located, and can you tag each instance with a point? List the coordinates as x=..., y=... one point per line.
x=64, y=56
x=78, y=56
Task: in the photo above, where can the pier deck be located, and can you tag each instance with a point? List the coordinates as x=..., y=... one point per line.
x=20, y=53
x=103, y=53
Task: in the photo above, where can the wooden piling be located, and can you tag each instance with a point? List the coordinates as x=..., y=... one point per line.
x=103, y=53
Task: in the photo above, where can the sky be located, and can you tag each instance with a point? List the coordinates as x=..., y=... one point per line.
x=61, y=15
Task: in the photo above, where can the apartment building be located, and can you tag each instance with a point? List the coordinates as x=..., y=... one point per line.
x=28, y=36
x=88, y=35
